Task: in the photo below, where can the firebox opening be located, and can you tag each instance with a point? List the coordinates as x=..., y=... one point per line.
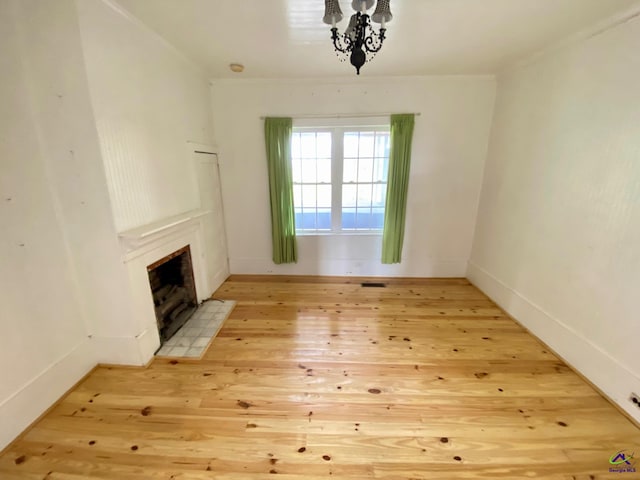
x=174, y=291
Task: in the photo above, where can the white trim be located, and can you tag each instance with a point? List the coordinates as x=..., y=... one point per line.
x=608, y=374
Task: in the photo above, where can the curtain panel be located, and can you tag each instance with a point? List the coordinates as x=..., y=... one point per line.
x=397, y=187
x=277, y=134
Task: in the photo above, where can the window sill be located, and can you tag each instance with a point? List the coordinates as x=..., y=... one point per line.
x=339, y=234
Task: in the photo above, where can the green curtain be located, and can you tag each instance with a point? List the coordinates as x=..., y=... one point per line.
x=397, y=186
x=277, y=134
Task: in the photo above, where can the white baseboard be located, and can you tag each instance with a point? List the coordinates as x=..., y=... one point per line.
x=22, y=408
x=601, y=368
x=339, y=267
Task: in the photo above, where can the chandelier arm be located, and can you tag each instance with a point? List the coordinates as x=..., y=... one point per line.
x=341, y=44
x=373, y=43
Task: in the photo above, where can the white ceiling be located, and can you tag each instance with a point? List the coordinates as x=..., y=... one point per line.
x=286, y=38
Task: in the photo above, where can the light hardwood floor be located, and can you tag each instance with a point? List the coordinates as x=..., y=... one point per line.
x=313, y=378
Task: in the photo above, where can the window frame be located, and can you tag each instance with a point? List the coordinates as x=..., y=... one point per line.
x=338, y=127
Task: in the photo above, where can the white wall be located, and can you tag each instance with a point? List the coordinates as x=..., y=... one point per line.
x=59, y=257
x=557, y=242
x=449, y=147
x=148, y=102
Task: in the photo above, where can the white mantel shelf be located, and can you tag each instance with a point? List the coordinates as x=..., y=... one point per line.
x=137, y=238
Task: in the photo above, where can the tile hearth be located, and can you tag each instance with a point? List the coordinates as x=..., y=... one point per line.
x=194, y=337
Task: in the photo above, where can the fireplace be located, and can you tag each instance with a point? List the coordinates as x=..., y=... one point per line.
x=174, y=291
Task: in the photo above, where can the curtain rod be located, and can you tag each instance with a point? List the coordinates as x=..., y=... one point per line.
x=341, y=115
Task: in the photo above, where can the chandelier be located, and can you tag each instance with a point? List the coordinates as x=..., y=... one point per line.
x=360, y=42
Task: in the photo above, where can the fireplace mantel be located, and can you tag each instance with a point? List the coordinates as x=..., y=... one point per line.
x=134, y=241
x=144, y=245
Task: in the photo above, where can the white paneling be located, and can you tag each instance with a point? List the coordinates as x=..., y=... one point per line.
x=559, y=221
x=148, y=102
x=449, y=147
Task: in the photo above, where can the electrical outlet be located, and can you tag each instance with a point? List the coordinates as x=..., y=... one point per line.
x=635, y=398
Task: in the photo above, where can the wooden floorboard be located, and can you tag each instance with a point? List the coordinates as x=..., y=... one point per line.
x=313, y=378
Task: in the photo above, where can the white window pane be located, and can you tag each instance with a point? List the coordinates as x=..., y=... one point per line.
x=309, y=170
x=308, y=196
x=350, y=170
x=364, y=195
x=379, y=195
x=365, y=169
x=297, y=195
x=382, y=144
x=323, y=145
x=298, y=218
x=380, y=169
x=366, y=144
x=324, y=170
x=295, y=145
x=377, y=218
x=349, y=193
x=308, y=145
x=296, y=170
x=350, y=144
x=308, y=220
x=324, y=219
x=348, y=218
x=324, y=196
x=363, y=218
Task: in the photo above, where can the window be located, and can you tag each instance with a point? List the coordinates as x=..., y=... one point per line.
x=311, y=153
x=339, y=178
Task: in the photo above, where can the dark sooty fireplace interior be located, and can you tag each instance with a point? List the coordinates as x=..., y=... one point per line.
x=174, y=291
